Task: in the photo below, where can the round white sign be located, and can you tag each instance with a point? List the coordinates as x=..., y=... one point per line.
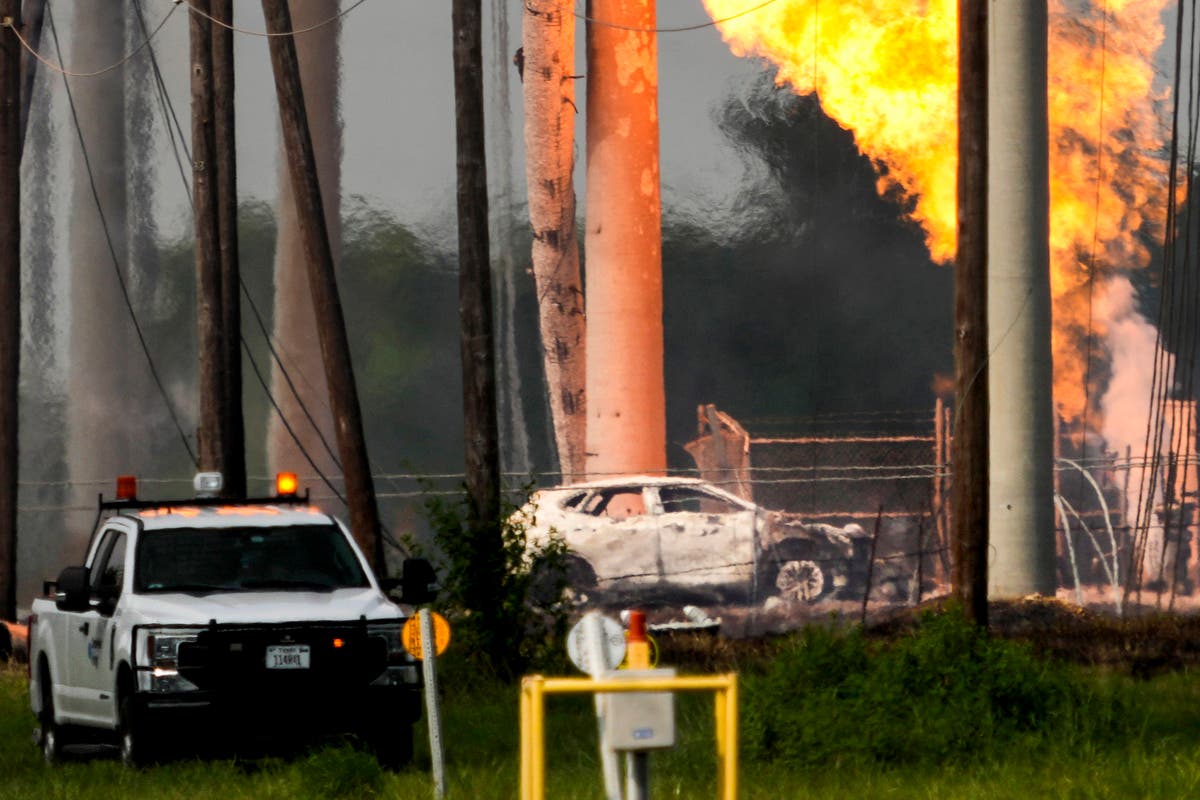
x=596, y=632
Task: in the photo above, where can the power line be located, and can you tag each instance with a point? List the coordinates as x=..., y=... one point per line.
x=112, y=251
x=269, y=35
x=168, y=109
x=170, y=116
x=8, y=23
x=682, y=29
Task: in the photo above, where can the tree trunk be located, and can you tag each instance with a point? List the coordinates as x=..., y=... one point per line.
x=626, y=414
x=295, y=326
x=549, y=86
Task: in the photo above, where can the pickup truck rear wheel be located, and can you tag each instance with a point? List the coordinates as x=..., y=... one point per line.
x=50, y=738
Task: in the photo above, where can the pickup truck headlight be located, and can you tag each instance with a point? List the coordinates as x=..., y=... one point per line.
x=160, y=656
x=402, y=667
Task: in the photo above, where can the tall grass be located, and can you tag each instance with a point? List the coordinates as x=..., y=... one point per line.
x=944, y=712
x=945, y=693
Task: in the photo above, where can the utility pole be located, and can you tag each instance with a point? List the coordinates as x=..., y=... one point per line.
x=10, y=297
x=233, y=428
x=331, y=325
x=1021, y=409
x=208, y=268
x=475, y=312
x=626, y=396
x=34, y=13
x=969, y=495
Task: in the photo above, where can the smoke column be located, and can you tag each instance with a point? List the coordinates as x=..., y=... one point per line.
x=42, y=380
x=103, y=351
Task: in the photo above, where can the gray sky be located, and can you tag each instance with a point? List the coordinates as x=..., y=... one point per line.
x=398, y=106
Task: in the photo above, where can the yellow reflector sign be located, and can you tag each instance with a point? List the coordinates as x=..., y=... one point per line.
x=411, y=635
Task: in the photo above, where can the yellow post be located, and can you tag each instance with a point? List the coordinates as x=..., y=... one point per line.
x=729, y=774
x=526, y=749
x=538, y=741
x=534, y=689
x=719, y=709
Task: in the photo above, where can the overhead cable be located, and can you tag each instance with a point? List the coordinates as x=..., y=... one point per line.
x=57, y=67
x=270, y=35
x=682, y=29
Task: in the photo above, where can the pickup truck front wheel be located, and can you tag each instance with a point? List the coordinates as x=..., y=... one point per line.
x=391, y=744
x=135, y=740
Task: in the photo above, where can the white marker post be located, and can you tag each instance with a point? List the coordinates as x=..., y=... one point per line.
x=432, y=710
x=596, y=644
x=594, y=633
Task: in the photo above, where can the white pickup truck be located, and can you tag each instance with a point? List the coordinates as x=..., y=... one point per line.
x=209, y=620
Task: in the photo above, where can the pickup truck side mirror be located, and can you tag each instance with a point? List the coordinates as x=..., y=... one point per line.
x=418, y=582
x=73, y=589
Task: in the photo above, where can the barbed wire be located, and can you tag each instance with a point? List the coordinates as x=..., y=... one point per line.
x=811, y=474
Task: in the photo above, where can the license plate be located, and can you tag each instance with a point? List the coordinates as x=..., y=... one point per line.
x=287, y=656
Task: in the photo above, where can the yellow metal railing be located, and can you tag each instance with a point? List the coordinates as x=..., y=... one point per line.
x=534, y=689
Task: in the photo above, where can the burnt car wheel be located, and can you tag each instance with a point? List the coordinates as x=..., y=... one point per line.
x=801, y=581
x=790, y=571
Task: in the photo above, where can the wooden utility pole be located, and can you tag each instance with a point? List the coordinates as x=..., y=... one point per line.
x=208, y=268
x=331, y=325
x=969, y=492
x=233, y=429
x=34, y=13
x=475, y=309
x=10, y=297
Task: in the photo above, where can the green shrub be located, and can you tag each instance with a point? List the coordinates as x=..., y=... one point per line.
x=948, y=691
x=516, y=622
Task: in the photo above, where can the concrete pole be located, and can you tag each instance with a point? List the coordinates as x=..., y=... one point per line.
x=1021, y=510
x=626, y=405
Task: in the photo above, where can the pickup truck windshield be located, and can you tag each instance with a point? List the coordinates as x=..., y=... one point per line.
x=305, y=557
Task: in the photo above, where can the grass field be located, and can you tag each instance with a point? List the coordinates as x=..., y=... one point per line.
x=1153, y=753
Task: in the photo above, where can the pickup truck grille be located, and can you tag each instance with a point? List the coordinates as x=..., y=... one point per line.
x=234, y=658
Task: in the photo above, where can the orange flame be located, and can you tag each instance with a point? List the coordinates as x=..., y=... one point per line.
x=888, y=71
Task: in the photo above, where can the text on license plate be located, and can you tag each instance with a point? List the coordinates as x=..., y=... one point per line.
x=287, y=656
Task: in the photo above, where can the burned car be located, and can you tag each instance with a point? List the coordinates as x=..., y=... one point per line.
x=674, y=540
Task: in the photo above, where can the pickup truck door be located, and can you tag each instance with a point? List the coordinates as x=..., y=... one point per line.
x=90, y=635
